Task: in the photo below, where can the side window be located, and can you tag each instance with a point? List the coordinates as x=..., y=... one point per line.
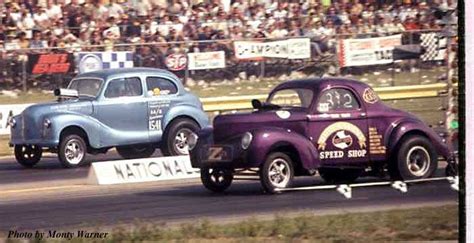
x=161, y=86
x=124, y=87
x=337, y=100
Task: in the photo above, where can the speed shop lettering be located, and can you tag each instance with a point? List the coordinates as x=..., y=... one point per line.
x=340, y=132
x=155, y=114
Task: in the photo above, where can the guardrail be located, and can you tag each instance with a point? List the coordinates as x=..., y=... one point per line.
x=385, y=93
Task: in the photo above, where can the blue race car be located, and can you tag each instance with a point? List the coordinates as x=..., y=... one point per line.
x=135, y=110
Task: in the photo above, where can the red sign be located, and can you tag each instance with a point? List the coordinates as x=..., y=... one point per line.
x=50, y=63
x=176, y=62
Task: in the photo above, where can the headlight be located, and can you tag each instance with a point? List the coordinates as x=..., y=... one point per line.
x=246, y=140
x=46, y=123
x=192, y=141
x=12, y=122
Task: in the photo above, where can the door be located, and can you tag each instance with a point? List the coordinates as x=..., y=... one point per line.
x=338, y=127
x=161, y=96
x=123, y=112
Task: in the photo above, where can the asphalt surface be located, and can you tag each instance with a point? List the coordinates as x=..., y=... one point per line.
x=49, y=197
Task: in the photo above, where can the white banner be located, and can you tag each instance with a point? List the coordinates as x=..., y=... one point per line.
x=206, y=60
x=141, y=170
x=291, y=49
x=369, y=51
x=7, y=111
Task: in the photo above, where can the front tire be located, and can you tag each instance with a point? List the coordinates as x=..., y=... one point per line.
x=72, y=151
x=28, y=155
x=135, y=151
x=338, y=176
x=276, y=172
x=175, y=139
x=416, y=158
x=216, y=179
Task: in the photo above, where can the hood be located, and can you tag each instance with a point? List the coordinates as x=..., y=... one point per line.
x=37, y=111
x=230, y=125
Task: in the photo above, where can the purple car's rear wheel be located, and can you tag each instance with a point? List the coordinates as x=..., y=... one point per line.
x=28, y=155
x=415, y=158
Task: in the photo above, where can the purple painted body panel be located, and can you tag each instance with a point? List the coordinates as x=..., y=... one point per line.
x=366, y=133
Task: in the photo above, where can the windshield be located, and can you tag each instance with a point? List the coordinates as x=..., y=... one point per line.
x=86, y=86
x=292, y=97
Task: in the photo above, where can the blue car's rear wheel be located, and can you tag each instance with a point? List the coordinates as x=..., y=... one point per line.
x=175, y=139
x=28, y=155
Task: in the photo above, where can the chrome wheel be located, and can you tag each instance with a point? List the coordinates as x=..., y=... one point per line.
x=279, y=173
x=418, y=161
x=181, y=140
x=74, y=152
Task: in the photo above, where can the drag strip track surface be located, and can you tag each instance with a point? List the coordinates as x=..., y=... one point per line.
x=76, y=205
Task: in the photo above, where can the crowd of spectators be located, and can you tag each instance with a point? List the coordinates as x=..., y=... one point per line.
x=29, y=26
x=77, y=23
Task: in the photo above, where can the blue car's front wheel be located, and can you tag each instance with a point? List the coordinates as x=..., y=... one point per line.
x=28, y=155
x=72, y=151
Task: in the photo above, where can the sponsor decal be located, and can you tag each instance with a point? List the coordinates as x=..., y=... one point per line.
x=323, y=107
x=59, y=63
x=176, y=62
x=342, y=139
x=370, y=96
x=142, y=170
x=283, y=114
x=375, y=142
x=156, y=109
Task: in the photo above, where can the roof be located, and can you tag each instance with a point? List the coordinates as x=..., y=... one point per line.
x=105, y=73
x=317, y=82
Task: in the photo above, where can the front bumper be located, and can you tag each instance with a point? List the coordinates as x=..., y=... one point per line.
x=218, y=155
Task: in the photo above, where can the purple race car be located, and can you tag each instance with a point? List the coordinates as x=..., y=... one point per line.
x=337, y=127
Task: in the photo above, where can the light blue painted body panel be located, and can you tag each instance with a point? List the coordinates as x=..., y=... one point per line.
x=110, y=122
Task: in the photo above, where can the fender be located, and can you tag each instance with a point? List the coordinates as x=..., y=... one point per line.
x=267, y=139
x=190, y=111
x=62, y=120
x=411, y=125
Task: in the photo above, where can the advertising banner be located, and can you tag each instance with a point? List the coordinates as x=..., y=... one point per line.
x=93, y=61
x=369, y=51
x=290, y=49
x=206, y=60
x=141, y=170
x=57, y=63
